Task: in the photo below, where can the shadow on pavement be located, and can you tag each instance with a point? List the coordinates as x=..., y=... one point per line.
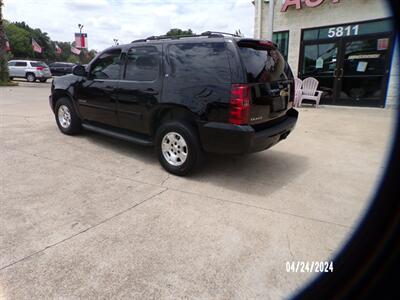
x=257, y=174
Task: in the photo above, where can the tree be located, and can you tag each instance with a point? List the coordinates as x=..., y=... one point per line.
x=178, y=32
x=4, y=77
x=20, y=41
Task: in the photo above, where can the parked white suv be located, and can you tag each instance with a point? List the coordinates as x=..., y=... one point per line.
x=29, y=69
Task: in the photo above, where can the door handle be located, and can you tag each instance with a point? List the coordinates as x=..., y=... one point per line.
x=151, y=92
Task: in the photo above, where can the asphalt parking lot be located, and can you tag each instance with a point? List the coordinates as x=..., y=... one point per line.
x=93, y=217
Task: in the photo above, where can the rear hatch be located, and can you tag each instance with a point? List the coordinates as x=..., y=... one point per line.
x=270, y=80
x=41, y=66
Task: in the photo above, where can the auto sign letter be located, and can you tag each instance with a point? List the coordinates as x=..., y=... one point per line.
x=309, y=3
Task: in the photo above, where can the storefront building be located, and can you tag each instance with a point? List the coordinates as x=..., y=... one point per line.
x=348, y=45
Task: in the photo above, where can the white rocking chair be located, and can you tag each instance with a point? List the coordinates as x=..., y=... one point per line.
x=297, y=91
x=309, y=91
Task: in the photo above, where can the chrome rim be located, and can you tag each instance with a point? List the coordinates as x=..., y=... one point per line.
x=174, y=149
x=31, y=78
x=64, y=116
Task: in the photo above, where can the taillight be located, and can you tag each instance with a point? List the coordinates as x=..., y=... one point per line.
x=39, y=68
x=239, y=111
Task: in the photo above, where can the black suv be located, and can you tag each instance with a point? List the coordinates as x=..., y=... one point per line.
x=212, y=92
x=61, y=68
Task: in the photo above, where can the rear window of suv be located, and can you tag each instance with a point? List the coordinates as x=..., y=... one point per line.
x=262, y=63
x=200, y=62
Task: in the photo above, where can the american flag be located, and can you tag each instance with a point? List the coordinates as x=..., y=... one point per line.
x=8, y=48
x=81, y=40
x=36, y=47
x=58, y=49
x=75, y=51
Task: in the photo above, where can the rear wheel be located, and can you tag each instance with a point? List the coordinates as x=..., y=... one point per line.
x=178, y=148
x=30, y=77
x=66, y=117
x=11, y=78
x=43, y=80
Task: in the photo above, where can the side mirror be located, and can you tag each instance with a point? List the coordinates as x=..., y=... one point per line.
x=79, y=70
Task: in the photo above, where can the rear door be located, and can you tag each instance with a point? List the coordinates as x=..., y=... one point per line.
x=140, y=88
x=270, y=79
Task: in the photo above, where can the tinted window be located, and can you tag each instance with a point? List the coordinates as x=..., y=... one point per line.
x=38, y=64
x=20, y=64
x=263, y=65
x=11, y=63
x=282, y=40
x=199, y=62
x=142, y=64
x=107, y=66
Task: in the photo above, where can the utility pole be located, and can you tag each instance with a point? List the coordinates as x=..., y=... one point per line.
x=4, y=77
x=80, y=36
x=80, y=29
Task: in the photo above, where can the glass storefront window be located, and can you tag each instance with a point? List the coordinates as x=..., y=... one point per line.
x=319, y=60
x=282, y=40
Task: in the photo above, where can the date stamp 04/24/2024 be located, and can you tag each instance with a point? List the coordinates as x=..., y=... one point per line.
x=309, y=266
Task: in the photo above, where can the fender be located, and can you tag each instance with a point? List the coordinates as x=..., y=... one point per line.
x=65, y=86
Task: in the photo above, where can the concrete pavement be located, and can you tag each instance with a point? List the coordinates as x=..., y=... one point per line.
x=93, y=217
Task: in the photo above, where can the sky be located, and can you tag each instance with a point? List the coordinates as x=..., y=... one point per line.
x=127, y=20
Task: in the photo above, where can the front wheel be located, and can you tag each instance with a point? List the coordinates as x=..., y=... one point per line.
x=178, y=148
x=67, y=119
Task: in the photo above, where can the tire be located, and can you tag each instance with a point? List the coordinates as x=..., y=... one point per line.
x=43, y=80
x=30, y=77
x=171, y=139
x=11, y=78
x=66, y=117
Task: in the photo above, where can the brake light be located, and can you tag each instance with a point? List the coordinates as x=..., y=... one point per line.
x=239, y=111
x=267, y=44
x=39, y=68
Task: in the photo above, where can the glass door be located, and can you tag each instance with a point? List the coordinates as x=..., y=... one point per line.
x=363, y=71
x=320, y=60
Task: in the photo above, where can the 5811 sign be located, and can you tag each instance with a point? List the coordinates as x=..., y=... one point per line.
x=343, y=31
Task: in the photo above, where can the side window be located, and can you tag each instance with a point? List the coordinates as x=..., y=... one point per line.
x=200, y=62
x=142, y=63
x=11, y=64
x=107, y=66
x=20, y=64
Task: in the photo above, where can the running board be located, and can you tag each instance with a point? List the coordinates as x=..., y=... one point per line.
x=133, y=138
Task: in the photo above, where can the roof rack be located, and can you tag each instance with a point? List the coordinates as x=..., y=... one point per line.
x=218, y=33
x=165, y=37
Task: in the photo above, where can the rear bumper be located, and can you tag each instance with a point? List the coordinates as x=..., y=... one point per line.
x=234, y=139
x=42, y=75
